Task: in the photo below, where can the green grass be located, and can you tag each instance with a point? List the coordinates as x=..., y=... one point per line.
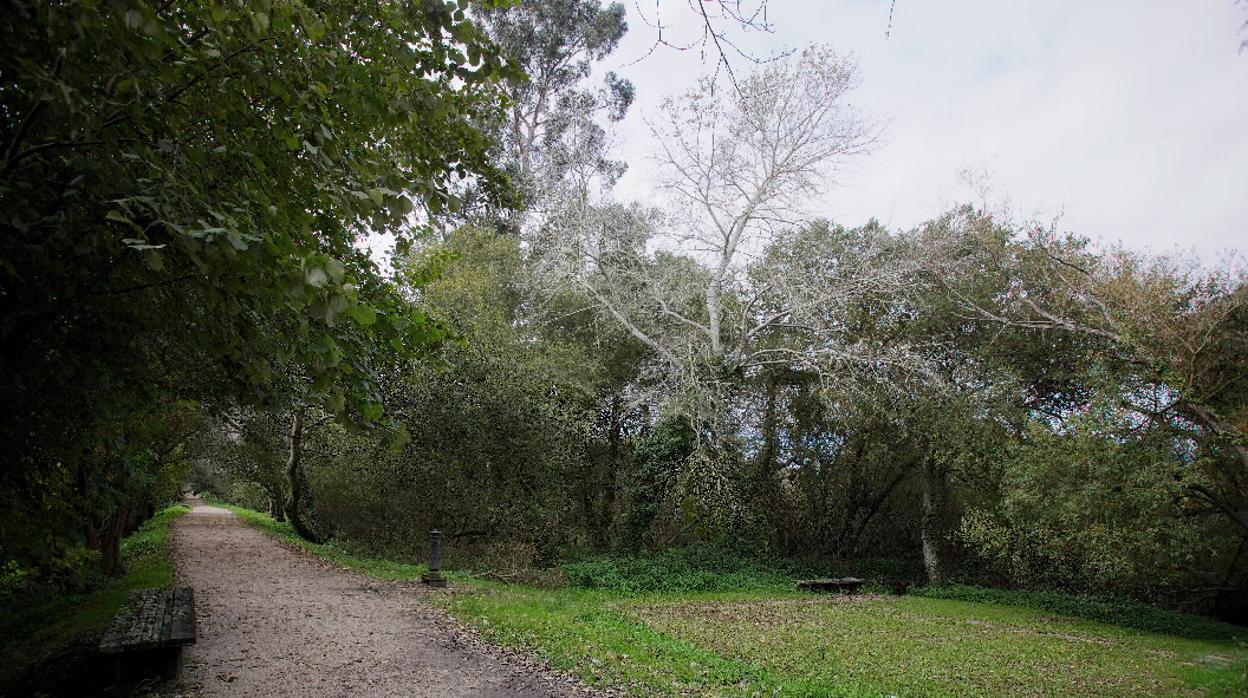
x=1114, y=611
x=51, y=627
x=764, y=643
x=770, y=640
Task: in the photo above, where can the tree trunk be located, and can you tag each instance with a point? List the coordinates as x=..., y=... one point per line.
x=766, y=486
x=855, y=537
x=713, y=292
x=275, y=507
x=105, y=539
x=607, y=514
x=932, y=529
x=771, y=437
x=110, y=549
x=294, y=476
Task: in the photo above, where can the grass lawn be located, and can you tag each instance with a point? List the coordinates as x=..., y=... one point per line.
x=37, y=632
x=778, y=642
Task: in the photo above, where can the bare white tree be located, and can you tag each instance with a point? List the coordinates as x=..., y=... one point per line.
x=748, y=163
x=749, y=282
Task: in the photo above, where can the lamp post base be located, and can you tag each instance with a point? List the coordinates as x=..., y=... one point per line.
x=434, y=579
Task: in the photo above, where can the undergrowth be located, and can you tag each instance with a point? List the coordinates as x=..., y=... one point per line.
x=696, y=568
x=720, y=568
x=36, y=630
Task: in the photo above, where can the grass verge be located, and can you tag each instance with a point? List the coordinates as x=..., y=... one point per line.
x=41, y=631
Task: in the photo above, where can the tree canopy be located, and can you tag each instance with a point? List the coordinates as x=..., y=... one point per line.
x=183, y=185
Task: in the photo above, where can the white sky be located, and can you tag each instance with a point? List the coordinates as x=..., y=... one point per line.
x=1127, y=117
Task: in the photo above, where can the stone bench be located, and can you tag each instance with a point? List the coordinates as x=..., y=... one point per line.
x=846, y=585
x=147, y=636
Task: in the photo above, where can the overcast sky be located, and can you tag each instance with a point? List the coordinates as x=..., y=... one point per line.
x=1129, y=118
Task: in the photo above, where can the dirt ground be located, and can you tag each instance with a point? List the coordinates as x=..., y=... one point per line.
x=274, y=621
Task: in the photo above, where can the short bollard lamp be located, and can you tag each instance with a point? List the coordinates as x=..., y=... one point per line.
x=434, y=576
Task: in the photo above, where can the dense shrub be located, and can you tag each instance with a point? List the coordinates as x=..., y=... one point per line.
x=721, y=567
x=695, y=568
x=1082, y=513
x=247, y=494
x=657, y=461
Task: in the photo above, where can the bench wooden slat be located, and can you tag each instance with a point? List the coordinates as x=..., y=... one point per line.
x=152, y=619
x=182, y=626
x=151, y=616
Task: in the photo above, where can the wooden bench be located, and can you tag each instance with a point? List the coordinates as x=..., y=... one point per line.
x=847, y=585
x=148, y=634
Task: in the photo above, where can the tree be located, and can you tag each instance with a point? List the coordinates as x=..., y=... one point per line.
x=748, y=166
x=740, y=169
x=550, y=137
x=498, y=426
x=1172, y=334
x=239, y=453
x=1092, y=509
x=149, y=256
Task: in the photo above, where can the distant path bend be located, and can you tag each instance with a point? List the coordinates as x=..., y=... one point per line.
x=274, y=621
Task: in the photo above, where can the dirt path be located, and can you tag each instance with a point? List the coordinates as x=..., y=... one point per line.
x=276, y=622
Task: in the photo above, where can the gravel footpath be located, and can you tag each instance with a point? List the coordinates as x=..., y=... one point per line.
x=274, y=621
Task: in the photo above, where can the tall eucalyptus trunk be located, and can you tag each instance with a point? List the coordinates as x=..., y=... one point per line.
x=932, y=531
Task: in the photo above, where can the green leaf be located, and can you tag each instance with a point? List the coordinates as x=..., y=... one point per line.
x=137, y=244
x=154, y=261
x=336, y=270
x=317, y=277
x=372, y=411
x=403, y=205
x=401, y=438
x=364, y=314
x=260, y=22
x=338, y=303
